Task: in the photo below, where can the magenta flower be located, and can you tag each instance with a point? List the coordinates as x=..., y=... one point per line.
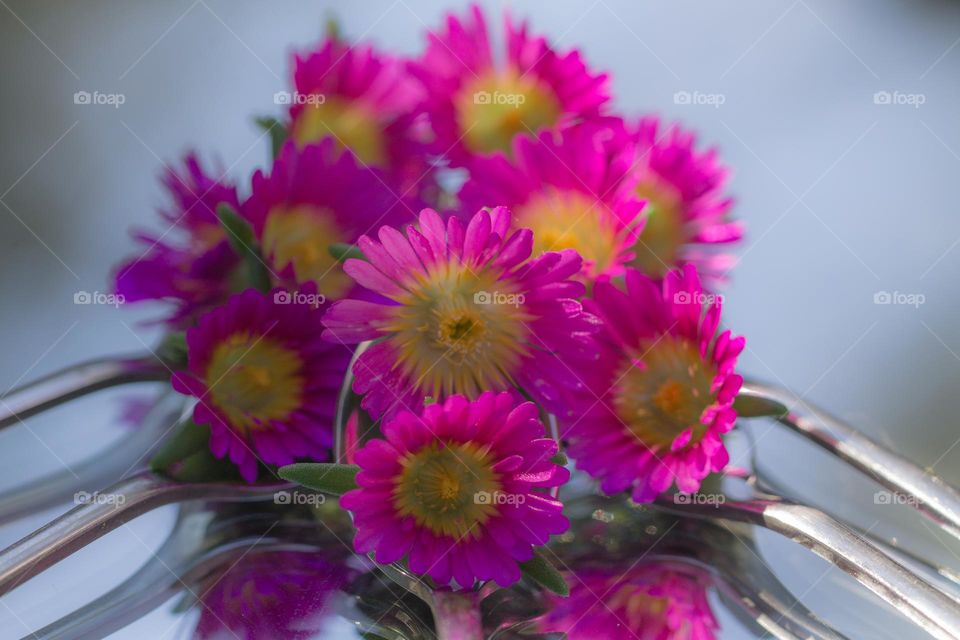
x=665, y=387
x=265, y=381
x=271, y=594
x=477, y=106
x=363, y=100
x=573, y=189
x=190, y=262
x=315, y=197
x=648, y=602
x=467, y=312
x=460, y=490
x=688, y=215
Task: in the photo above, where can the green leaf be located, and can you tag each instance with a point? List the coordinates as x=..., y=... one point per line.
x=756, y=407
x=342, y=251
x=239, y=231
x=542, y=571
x=335, y=479
x=240, y=236
x=278, y=132
x=202, y=466
x=560, y=458
x=332, y=28
x=173, y=350
x=189, y=439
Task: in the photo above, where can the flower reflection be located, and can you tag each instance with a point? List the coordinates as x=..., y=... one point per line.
x=269, y=595
x=649, y=602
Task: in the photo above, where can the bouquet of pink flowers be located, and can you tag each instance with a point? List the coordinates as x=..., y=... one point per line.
x=505, y=246
x=466, y=282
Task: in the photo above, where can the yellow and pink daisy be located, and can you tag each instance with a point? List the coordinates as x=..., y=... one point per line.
x=466, y=311
x=477, y=106
x=366, y=102
x=650, y=601
x=315, y=197
x=265, y=381
x=687, y=212
x=190, y=263
x=665, y=386
x=461, y=490
x=270, y=594
x=573, y=188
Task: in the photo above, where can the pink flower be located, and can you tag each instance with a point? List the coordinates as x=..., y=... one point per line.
x=315, y=197
x=665, y=387
x=265, y=381
x=272, y=594
x=688, y=214
x=648, y=602
x=477, y=106
x=572, y=188
x=467, y=312
x=365, y=101
x=459, y=490
x=190, y=262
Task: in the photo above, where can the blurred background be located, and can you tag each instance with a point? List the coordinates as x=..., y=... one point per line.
x=839, y=119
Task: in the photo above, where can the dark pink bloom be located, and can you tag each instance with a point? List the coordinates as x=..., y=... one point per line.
x=575, y=189
x=315, y=197
x=648, y=602
x=477, y=105
x=265, y=381
x=687, y=211
x=365, y=101
x=267, y=595
x=664, y=386
x=467, y=312
x=190, y=262
x=460, y=491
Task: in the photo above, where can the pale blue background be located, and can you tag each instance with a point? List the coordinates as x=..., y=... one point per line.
x=842, y=197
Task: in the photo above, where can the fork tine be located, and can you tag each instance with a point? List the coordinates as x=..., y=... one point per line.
x=929, y=494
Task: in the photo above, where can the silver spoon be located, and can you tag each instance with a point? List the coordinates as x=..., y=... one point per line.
x=76, y=381
x=113, y=507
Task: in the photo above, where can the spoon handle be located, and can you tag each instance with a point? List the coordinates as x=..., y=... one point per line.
x=103, y=512
x=925, y=492
x=913, y=597
x=76, y=381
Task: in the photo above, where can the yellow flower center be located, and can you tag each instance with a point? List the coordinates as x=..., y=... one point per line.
x=450, y=489
x=657, y=250
x=639, y=606
x=302, y=236
x=492, y=109
x=253, y=380
x=571, y=220
x=349, y=122
x=457, y=331
x=660, y=400
x=206, y=236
